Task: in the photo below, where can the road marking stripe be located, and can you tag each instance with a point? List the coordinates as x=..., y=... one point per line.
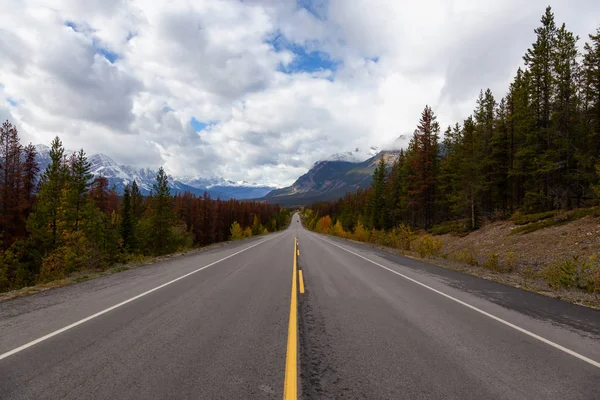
x=290, y=386
x=301, y=281
x=518, y=328
x=73, y=325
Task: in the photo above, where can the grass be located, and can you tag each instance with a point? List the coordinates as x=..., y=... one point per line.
x=448, y=227
x=520, y=219
x=550, y=218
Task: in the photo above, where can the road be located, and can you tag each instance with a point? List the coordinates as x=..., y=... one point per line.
x=370, y=325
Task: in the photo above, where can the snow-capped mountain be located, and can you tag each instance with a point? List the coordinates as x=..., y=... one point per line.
x=357, y=155
x=121, y=175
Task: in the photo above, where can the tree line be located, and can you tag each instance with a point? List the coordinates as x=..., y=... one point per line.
x=63, y=220
x=534, y=150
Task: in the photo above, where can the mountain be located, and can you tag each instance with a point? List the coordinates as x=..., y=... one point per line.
x=358, y=155
x=227, y=188
x=121, y=175
x=329, y=180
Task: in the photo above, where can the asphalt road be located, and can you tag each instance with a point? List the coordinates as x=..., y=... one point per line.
x=370, y=326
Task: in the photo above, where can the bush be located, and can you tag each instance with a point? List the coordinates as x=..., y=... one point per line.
x=360, y=233
x=235, y=231
x=561, y=274
x=404, y=236
x=574, y=273
x=465, y=256
x=493, y=262
x=180, y=238
x=338, y=230
x=74, y=255
x=247, y=232
x=428, y=246
x=324, y=225
x=510, y=261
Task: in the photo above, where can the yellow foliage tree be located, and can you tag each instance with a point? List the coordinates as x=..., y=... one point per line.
x=324, y=225
x=236, y=231
x=338, y=230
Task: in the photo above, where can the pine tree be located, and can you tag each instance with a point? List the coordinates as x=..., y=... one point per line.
x=424, y=168
x=42, y=223
x=10, y=184
x=79, y=185
x=589, y=153
x=565, y=175
x=127, y=221
x=377, y=202
x=539, y=59
x=161, y=217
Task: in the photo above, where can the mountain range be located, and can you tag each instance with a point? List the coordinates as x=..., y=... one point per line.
x=121, y=175
x=326, y=180
x=330, y=179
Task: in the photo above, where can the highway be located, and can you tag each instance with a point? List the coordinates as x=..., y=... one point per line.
x=232, y=323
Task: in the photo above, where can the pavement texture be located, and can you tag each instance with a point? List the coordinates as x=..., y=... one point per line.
x=365, y=332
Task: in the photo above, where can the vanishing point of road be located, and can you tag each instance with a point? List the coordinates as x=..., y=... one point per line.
x=277, y=317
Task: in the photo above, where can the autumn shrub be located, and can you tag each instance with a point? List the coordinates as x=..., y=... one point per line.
x=236, y=232
x=338, y=230
x=265, y=231
x=403, y=236
x=493, y=262
x=360, y=233
x=428, y=246
x=381, y=238
x=247, y=232
x=465, y=256
x=510, y=261
x=324, y=225
x=74, y=255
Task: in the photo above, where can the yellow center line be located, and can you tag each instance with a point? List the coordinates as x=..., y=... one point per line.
x=301, y=281
x=290, y=387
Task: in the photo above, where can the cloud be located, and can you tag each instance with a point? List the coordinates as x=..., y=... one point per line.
x=255, y=90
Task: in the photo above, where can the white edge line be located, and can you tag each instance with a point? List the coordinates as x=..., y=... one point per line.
x=518, y=328
x=74, y=324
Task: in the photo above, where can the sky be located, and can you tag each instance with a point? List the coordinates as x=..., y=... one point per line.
x=256, y=90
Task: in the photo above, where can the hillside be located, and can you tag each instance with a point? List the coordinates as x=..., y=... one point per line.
x=329, y=180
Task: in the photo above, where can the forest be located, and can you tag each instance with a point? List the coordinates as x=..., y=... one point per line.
x=534, y=150
x=63, y=220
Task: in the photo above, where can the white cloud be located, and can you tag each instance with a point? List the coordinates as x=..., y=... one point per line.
x=216, y=61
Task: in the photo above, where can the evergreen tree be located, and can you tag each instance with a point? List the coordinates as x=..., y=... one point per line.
x=377, y=203
x=79, y=184
x=161, y=217
x=127, y=220
x=424, y=168
x=539, y=59
x=10, y=184
x=42, y=223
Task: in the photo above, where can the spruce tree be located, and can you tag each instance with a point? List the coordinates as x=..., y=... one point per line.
x=161, y=217
x=127, y=221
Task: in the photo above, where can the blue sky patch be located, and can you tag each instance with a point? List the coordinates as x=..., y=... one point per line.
x=109, y=55
x=304, y=61
x=318, y=8
x=72, y=25
x=199, y=125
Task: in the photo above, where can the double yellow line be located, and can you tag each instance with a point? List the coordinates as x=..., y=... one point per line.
x=290, y=388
